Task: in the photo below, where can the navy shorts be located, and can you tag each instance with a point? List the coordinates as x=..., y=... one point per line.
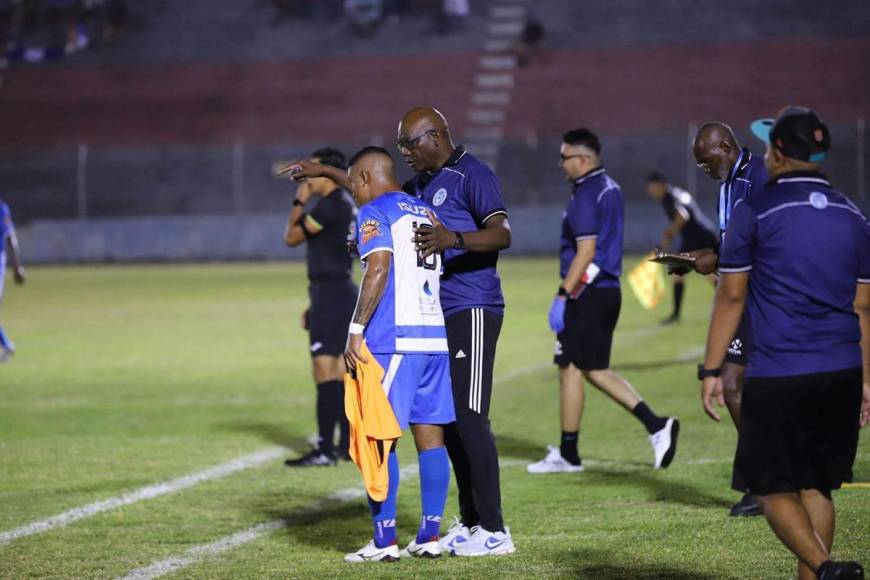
x=332, y=306
x=590, y=321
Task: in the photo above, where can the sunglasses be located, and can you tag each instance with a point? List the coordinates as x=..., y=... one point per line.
x=412, y=142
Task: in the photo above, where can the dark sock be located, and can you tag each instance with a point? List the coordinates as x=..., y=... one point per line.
x=825, y=567
x=329, y=397
x=650, y=420
x=678, y=298
x=568, y=447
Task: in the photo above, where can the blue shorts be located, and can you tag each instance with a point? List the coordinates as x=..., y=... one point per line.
x=418, y=388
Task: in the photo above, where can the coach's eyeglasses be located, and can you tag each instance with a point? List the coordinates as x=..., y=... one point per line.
x=411, y=142
x=563, y=158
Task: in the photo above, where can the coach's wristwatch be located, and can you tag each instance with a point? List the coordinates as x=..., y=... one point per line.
x=704, y=373
x=459, y=243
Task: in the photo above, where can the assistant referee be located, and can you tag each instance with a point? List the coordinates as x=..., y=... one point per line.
x=332, y=295
x=806, y=247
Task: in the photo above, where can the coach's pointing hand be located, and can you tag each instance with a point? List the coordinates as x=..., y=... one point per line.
x=353, y=352
x=712, y=390
x=301, y=169
x=434, y=238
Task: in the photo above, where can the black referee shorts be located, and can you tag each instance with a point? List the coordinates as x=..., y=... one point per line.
x=590, y=321
x=738, y=350
x=332, y=305
x=798, y=432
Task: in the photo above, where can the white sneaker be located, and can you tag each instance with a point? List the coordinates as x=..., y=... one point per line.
x=664, y=443
x=457, y=533
x=371, y=553
x=428, y=550
x=485, y=543
x=553, y=463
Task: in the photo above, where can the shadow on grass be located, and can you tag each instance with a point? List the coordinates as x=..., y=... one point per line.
x=657, y=485
x=277, y=433
x=651, y=365
x=607, y=565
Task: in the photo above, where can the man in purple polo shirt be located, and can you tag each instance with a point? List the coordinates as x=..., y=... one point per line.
x=806, y=248
x=585, y=311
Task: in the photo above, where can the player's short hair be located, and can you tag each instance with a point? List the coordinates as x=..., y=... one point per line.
x=330, y=156
x=656, y=177
x=370, y=150
x=583, y=137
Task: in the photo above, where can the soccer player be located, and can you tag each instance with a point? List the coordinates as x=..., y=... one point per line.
x=741, y=174
x=333, y=295
x=10, y=240
x=471, y=228
x=399, y=317
x=806, y=247
x=586, y=308
x=687, y=221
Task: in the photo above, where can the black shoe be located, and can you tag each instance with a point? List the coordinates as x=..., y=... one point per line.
x=313, y=458
x=342, y=456
x=747, y=506
x=841, y=571
x=670, y=320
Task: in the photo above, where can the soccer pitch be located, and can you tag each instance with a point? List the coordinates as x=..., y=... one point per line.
x=128, y=377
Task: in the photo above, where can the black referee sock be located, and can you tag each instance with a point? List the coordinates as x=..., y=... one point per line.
x=650, y=420
x=568, y=447
x=679, y=288
x=330, y=395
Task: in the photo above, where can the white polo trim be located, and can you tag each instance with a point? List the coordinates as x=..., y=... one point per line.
x=493, y=214
x=863, y=280
x=373, y=250
x=735, y=270
x=587, y=237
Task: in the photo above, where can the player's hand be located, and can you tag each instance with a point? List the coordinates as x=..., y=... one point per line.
x=437, y=238
x=19, y=275
x=712, y=391
x=301, y=169
x=353, y=352
x=557, y=314
x=303, y=320
x=706, y=261
x=865, y=406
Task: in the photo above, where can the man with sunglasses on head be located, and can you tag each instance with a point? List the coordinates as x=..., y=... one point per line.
x=741, y=175
x=586, y=308
x=470, y=228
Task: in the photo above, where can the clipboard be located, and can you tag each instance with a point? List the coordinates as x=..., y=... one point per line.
x=673, y=260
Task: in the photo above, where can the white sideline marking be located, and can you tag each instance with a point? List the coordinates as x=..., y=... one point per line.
x=143, y=493
x=202, y=551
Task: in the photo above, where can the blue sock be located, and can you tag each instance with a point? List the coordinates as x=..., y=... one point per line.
x=384, y=512
x=434, y=483
x=4, y=340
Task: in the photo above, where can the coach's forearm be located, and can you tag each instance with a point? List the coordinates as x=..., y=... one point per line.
x=495, y=236
x=862, y=307
x=371, y=289
x=337, y=175
x=727, y=310
x=579, y=264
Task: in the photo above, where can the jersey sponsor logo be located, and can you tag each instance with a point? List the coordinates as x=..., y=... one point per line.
x=736, y=348
x=818, y=200
x=426, y=290
x=411, y=209
x=440, y=196
x=369, y=230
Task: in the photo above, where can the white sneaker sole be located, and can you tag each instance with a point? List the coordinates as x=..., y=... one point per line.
x=422, y=551
x=561, y=469
x=500, y=551
x=390, y=554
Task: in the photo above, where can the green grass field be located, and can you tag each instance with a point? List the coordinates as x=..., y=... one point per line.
x=131, y=376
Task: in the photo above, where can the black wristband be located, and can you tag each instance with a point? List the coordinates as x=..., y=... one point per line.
x=704, y=373
x=459, y=243
x=298, y=202
x=562, y=291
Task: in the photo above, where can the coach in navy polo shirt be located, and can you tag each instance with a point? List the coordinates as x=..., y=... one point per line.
x=585, y=311
x=470, y=228
x=806, y=248
x=740, y=175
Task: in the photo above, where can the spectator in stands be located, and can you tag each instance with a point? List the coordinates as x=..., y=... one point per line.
x=526, y=47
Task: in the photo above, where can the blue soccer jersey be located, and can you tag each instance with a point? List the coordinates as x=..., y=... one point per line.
x=807, y=246
x=466, y=194
x=408, y=318
x=596, y=211
x=747, y=177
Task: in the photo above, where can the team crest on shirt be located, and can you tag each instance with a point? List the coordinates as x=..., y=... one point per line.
x=440, y=196
x=818, y=200
x=369, y=230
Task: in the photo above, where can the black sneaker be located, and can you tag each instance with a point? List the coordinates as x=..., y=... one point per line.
x=313, y=458
x=747, y=506
x=670, y=320
x=841, y=571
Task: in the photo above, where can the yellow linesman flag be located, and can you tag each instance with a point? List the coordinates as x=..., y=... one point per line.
x=647, y=281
